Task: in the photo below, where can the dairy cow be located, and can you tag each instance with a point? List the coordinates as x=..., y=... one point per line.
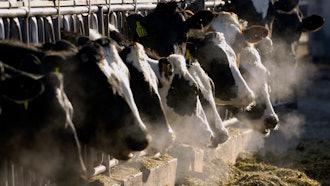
x=218, y=60
x=180, y=96
x=105, y=113
x=165, y=29
x=219, y=132
x=255, y=12
x=262, y=116
x=37, y=128
x=206, y=96
x=287, y=27
x=144, y=85
x=239, y=39
x=286, y=23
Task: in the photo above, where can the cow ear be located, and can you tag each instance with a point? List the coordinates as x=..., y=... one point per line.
x=136, y=26
x=286, y=5
x=255, y=33
x=200, y=20
x=312, y=23
x=31, y=63
x=21, y=88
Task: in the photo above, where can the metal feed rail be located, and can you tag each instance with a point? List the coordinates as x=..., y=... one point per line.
x=36, y=21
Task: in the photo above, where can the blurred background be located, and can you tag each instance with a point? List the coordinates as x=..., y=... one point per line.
x=319, y=42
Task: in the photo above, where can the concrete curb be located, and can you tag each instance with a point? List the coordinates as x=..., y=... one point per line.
x=184, y=160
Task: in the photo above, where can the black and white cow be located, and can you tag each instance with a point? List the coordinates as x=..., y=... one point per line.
x=165, y=29
x=180, y=96
x=218, y=60
x=241, y=39
x=36, y=125
x=262, y=116
x=144, y=85
x=105, y=113
x=255, y=12
x=286, y=23
x=220, y=133
x=206, y=96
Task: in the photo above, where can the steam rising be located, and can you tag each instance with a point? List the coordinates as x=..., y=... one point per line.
x=290, y=131
x=286, y=75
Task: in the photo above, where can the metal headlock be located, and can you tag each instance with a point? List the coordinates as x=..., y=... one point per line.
x=36, y=21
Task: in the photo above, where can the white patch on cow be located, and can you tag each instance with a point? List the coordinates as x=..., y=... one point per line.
x=94, y=34
x=245, y=94
x=64, y=101
x=193, y=129
x=204, y=83
x=118, y=75
x=250, y=61
x=227, y=23
x=138, y=58
x=179, y=63
x=154, y=66
x=112, y=27
x=261, y=6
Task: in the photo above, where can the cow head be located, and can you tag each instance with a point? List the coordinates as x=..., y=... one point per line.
x=288, y=25
x=180, y=96
x=164, y=29
x=206, y=96
x=37, y=123
x=237, y=33
x=144, y=85
x=97, y=84
x=218, y=59
x=261, y=117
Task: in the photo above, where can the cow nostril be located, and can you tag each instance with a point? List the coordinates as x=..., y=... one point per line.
x=138, y=144
x=271, y=122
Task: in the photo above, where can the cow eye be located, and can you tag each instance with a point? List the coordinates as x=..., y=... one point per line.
x=84, y=58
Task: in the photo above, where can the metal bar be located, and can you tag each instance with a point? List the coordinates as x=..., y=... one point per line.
x=46, y=11
x=70, y=10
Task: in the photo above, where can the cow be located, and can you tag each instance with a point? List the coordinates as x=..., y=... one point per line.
x=286, y=24
x=164, y=29
x=144, y=85
x=287, y=27
x=255, y=12
x=262, y=116
x=205, y=84
x=218, y=60
x=241, y=39
x=37, y=128
x=206, y=96
x=180, y=96
x=105, y=114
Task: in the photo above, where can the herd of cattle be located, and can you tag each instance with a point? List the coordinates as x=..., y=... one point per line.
x=159, y=83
